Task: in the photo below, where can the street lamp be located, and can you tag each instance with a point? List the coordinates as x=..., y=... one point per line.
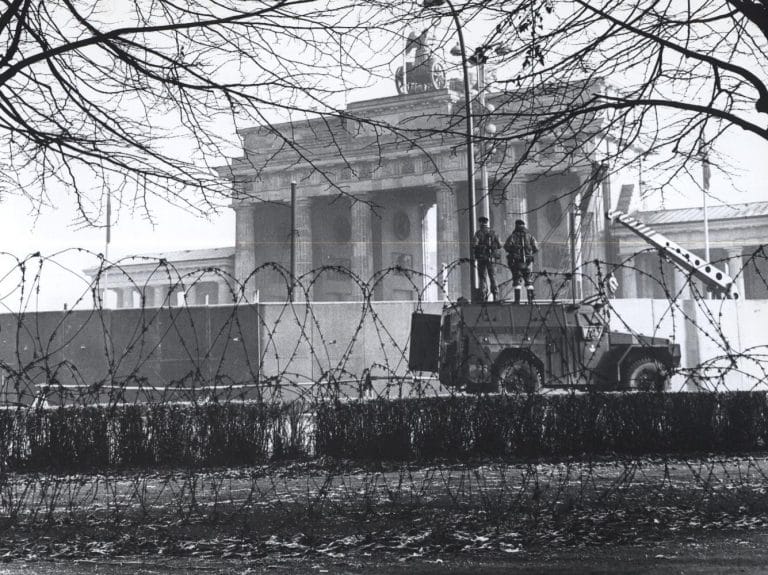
x=471, y=194
x=478, y=59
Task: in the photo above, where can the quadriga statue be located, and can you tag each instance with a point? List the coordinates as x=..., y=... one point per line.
x=425, y=72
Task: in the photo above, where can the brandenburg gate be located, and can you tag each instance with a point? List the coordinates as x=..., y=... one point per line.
x=382, y=185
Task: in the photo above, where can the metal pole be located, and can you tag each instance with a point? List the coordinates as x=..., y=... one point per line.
x=572, y=234
x=471, y=195
x=294, y=232
x=485, y=199
x=705, y=185
x=706, y=227
x=107, y=239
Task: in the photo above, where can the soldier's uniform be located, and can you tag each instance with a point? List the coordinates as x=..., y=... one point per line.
x=521, y=246
x=486, y=248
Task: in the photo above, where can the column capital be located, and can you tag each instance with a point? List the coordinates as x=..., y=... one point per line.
x=441, y=187
x=241, y=206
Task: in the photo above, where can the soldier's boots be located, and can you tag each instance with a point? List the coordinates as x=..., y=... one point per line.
x=530, y=295
x=517, y=295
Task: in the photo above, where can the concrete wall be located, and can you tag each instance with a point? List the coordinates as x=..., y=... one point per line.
x=84, y=350
x=724, y=343
x=337, y=342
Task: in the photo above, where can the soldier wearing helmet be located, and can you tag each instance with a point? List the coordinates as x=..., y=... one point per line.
x=521, y=247
x=486, y=248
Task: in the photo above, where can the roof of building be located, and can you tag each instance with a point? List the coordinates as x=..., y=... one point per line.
x=143, y=260
x=685, y=215
x=192, y=255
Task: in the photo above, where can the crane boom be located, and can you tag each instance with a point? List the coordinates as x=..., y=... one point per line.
x=686, y=260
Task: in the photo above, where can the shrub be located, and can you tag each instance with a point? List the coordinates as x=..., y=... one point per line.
x=535, y=426
x=93, y=439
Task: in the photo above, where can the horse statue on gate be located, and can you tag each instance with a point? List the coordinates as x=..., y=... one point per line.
x=425, y=73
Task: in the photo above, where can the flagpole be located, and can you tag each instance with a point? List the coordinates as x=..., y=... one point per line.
x=106, y=244
x=109, y=226
x=706, y=229
x=705, y=175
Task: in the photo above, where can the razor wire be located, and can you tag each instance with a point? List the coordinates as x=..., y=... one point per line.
x=306, y=348
x=202, y=413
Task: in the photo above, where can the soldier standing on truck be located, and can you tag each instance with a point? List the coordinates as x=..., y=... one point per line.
x=521, y=247
x=486, y=249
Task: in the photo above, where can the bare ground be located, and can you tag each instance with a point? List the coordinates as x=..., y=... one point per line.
x=703, y=515
x=729, y=552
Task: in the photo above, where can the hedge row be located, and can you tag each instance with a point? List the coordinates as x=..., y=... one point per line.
x=98, y=438
x=544, y=426
x=524, y=427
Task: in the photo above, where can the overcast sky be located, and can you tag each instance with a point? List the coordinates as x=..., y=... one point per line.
x=23, y=230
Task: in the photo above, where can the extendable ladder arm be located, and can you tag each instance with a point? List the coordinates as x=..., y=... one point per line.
x=681, y=257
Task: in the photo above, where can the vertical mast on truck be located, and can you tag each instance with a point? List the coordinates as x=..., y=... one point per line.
x=716, y=279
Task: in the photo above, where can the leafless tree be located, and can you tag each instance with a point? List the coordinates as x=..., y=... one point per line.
x=143, y=97
x=660, y=79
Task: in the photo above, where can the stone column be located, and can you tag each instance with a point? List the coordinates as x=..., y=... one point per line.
x=225, y=294
x=148, y=297
x=170, y=295
x=304, y=248
x=362, y=247
x=190, y=296
x=627, y=276
x=516, y=206
x=119, y=292
x=245, y=250
x=448, y=240
x=735, y=269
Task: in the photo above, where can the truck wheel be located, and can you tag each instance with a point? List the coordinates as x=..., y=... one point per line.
x=646, y=374
x=514, y=374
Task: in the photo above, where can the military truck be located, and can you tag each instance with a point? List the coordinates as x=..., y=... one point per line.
x=504, y=347
x=500, y=346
